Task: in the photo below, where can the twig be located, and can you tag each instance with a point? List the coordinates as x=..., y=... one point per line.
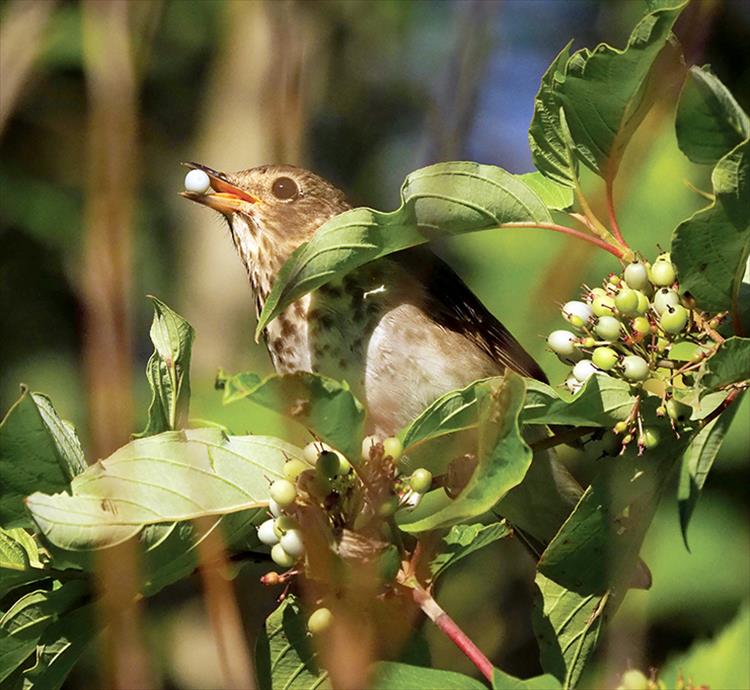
x=731, y=397
x=578, y=234
x=611, y=211
x=443, y=621
x=566, y=436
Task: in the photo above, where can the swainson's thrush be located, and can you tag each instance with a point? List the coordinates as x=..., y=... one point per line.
x=402, y=331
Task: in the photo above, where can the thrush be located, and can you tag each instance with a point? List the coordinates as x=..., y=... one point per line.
x=402, y=331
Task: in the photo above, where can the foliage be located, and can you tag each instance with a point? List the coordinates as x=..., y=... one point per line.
x=352, y=520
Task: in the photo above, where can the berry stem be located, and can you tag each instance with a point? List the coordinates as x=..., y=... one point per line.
x=578, y=234
x=443, y=621
x=596, y=225
x=572, y=434
x=611, y=211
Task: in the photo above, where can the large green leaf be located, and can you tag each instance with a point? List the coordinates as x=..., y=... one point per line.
x=697, y=461
x=502, y=455
x=555, y=196
x=284, y=653
x=173, y=476
x=463, y=540
x=390, y=675
x=731, y=364
x=437, y=201
x=325, y=406
x=23, y=624
x=603, y=401
x=606, y=92
x=709, y=120
x=504, y=681
x=549, y=138
x=711, y=248
x=592, y=560
x=168, y=370
x=19, y=559
x=38, y=452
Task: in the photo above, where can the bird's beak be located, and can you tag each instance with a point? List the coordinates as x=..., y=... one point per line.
x=225, y=197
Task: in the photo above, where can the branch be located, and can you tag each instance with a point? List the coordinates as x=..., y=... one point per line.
x=611, y=211
x=443, y=621
x=578, y=234
x=566, y=436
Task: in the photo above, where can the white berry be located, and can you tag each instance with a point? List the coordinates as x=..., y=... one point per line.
x=562, y=343
x=577, y=313
x=573, y=384
x=291, y=542
x=267, y=534
x=584, y=370
x=197, y=181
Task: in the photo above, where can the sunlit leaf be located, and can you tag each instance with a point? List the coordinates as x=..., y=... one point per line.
x=438, y=201
x=711, y=248
x=504, y=681
x=325, y=406
x=697, y=461
x=731, y=364
x=390, y=675
x=502, y=455
x=284, y=654
x=463, y=540
x=709, y=120
x=165, y=478
x=606, y=92
x=555, y=196
x=168, y=370
x=19, y=559
x=38, y=452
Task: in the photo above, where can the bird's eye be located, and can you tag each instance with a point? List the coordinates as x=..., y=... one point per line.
x=285, y=188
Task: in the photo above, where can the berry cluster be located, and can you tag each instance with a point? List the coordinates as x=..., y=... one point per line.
x=637, y=327
x=344, y=509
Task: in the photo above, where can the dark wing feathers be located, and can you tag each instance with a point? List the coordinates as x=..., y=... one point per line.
x=454, y=306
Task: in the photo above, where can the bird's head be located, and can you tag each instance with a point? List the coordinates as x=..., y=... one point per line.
x=271, y=210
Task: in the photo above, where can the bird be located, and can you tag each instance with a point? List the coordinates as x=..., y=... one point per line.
x=402, y=331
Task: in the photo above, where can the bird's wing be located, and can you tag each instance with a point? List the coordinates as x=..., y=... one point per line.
x=452, y=305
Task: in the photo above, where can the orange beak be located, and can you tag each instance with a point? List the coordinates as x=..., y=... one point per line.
x=225, y=198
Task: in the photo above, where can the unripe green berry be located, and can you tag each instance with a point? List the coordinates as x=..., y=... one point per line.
x=650, y=438
x=421, y=480
x=674, y=319
x=620, y=427
x=627, y=439
x=588, y=342
x=634, y=680
x=614, y=279
x=328, y=464
x=603, y=305
x=678, y=411
x=283, y=524
x=641, y=325
x=393, y=447
x=636, y=275
x=604, y=358
x=662, y=272
x=635, y=368
x=281, y=557
x=608, y=328
x=627, y=302
x=319, y=621
x=294, y=468
x=664, y=298
x=643, y=303
x=283, y=492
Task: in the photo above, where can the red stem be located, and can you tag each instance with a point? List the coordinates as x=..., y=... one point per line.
x=443, y=621
x=611, y=212
x=578, y=234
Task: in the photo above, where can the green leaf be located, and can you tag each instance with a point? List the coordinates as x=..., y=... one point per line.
x=593, y=559
x=38, y=452
x=60, y=647
x=709, y=120
x=719, y=663
x=173, y=476
x=168, y=370
x=549, y=137
x=284, y=653
x=555, y=196
x=606, y=92
x=697, y=461
x=463, y=540
x=19, y=559
x=325, y=406
x=390, y=675
x=25, y=621
x=603, y=401
x=502, y=455
x=504, y=681
x=437, y=201
x=730, y=364
x=711, y=248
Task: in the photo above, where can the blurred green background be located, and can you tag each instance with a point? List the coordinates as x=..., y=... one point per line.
x=101, y=101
